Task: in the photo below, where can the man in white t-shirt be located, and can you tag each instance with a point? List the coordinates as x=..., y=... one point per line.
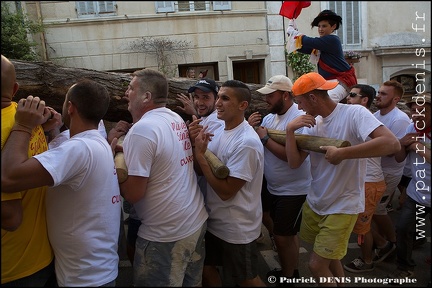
x=234, y=203
x=389, y=94
x=362, y=94
x=338, y=175
x=163, y=188
x=288, y=187
x=201, y=103
x=83, y=199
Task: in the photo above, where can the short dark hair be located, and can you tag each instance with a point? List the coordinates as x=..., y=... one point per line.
x=367, y=91
x=91, y=99
x=244, y=93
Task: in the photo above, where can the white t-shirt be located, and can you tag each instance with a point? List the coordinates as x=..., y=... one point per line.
x=237, y=220
x=419, y=186
x=340, y=188
x=397, y=122
x=83, y=210
x=373, y=170
x=213, y=124
x=65, y=135
x=282, y=180
x=158, y=147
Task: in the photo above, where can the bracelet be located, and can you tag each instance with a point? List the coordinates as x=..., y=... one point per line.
x=265, y=139
x=22, y=130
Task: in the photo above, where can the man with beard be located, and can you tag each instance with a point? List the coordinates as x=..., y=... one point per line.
x=201, y=103
x=288, y=187
x=397, y=121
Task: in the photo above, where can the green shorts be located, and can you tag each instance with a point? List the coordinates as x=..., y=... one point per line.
x=329, y=233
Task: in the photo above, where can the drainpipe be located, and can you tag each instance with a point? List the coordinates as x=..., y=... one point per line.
x=42, y=37
x=285, y=40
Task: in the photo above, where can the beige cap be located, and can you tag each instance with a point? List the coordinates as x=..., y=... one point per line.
x=277, y=82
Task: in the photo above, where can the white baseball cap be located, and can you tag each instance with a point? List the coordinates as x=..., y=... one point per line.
x=277, y=82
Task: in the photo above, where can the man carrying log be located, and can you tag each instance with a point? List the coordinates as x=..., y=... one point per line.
x=338, y=175
x=288, y=187
x=234, y=203
x=162, y=186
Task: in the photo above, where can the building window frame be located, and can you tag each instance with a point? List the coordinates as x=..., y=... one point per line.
x=191, y=6
x=93, y=9
x=350, y=32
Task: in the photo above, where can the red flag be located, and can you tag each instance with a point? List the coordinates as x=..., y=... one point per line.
x=292, y=9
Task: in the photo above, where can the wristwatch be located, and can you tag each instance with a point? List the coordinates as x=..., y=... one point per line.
x=265, y=139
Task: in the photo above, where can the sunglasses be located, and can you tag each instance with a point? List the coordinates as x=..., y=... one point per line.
x=353, y=95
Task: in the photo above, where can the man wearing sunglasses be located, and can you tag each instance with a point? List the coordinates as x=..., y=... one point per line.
x=375, y=187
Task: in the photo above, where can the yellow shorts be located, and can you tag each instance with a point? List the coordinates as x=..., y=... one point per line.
x=373, y=193
x=329, y=233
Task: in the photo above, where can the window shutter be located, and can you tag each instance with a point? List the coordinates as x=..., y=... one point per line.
x=85, y=8
x=164, y=6
x=221, y=5
x=349, y=33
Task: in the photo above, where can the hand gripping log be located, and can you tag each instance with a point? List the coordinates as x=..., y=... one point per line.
x=120, y=164
x=219, y=169
x=308, y=142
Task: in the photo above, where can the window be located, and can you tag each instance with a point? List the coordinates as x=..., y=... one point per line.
x=192, y=6
x=165, y=6
x=95, y=8
x=185, y=6
x=349, y=32
x=221, y=5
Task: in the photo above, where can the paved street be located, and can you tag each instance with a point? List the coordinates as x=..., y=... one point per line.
x=269, y=261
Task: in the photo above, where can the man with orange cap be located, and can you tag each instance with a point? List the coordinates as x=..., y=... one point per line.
x=337, y=196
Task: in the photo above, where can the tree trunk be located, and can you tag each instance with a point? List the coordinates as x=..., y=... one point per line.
x=50, y=82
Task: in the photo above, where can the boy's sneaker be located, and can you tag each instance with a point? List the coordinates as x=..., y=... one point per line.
x=358, y=266
x=383, y=253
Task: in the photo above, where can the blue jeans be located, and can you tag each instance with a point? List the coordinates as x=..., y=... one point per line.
x=410, y=223
x=170, y=264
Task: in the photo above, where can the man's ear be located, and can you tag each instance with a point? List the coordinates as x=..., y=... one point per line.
x=243, y=105
x=15, y=89
x=147, y=97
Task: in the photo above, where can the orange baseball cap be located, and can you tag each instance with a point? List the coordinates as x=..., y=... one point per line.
x=311, y=81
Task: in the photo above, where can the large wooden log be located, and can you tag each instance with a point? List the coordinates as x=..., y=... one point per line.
x=120, y=164
x=218, y=168
x=50, y=82
x=308, y=142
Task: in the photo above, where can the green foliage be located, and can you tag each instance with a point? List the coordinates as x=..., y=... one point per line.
x=14, y=29
x=299, y=63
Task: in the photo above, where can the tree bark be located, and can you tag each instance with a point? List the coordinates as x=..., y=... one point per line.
x=50, y=82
